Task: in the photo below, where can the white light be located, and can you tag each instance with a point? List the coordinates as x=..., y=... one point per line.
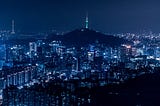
x=150, y=57
x=158, y=58
x=27, y=53
x=115, y=56
x=89, y=54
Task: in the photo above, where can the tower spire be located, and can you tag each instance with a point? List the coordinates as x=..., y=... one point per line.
x=87, y=21
x=13, y=27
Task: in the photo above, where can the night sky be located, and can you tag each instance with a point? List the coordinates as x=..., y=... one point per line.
x=110, y=16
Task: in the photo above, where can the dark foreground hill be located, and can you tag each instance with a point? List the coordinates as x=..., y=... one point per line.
x=142, y=91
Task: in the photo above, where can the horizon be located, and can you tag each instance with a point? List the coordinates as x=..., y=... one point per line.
x=107, y=16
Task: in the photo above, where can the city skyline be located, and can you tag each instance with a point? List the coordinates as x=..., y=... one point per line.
x=79, y=52
x=109, y=16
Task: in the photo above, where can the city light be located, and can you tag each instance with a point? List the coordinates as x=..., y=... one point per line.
x=53, y=54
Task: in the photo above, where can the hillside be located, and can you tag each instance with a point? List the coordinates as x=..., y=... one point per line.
x=83, y=37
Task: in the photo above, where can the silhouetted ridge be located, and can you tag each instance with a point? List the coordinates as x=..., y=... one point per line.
x=83, y=37
x=143, y=90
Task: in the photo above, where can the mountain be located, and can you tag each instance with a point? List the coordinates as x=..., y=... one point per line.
x=83, y=37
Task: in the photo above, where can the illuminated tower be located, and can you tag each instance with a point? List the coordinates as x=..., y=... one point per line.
x=13, y=31
x=86, y=22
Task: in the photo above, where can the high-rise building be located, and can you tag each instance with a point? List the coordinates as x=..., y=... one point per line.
x=32, y=49
x=2, y=55
x=126, y=53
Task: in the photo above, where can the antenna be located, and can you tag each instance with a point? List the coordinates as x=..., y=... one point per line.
x=13, y=26
x=87, y=21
